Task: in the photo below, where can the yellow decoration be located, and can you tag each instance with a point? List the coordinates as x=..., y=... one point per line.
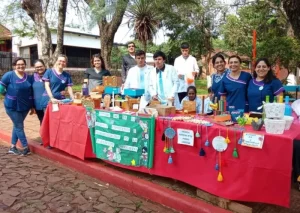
x=250, y=119
x=227, y=138
x=220, y=177
x=133, y=162
x=214, y=106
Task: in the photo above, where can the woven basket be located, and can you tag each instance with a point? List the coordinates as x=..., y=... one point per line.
x=274, y=110
x=288, y=122
x=274, y=126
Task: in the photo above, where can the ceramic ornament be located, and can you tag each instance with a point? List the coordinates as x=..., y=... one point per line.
x=219, y=144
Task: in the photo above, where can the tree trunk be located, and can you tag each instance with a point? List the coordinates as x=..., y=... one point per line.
x=109, y=29
x=37, y=12
x=292, y=8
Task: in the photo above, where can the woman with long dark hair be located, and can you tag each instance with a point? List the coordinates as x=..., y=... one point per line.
x=264, y=83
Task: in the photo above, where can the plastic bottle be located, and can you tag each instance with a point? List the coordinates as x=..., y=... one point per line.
x=288, y=108
x=267, y=99
x=85, y=89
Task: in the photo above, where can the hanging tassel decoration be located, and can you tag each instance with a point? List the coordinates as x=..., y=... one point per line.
x=217, y=167
x=168, y=145
x=220, y=177
x=227, y=138
x=197, y=135
x=163, y=137
x=202, y=152
x=235, y=153
x=171, y=150
x=240, y=141
x=206, y=142
x=170, y=160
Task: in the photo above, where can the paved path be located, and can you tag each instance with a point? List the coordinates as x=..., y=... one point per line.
x=32, y=184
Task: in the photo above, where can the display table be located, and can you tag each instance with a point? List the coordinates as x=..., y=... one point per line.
x=258, y=175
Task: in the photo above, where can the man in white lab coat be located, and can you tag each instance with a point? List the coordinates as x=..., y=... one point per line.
x=138, y=76
x=163, y=80
x=187, y=68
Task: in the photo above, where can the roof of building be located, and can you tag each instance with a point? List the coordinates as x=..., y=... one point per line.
x=5, y=33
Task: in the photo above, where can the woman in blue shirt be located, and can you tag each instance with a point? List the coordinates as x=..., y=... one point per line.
x=234, y=84
x=17, y=102
x=219, y=64
x=56, y=80
x=38, y=88
x=263, y=84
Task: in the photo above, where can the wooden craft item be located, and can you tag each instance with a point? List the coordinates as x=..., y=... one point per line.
x=153, y=103
x=112, y=81
x=77, y=95
x=222, y=118
x=165, y=110
x=77, y=102
x=99, y=89
x=189, y=106
x=133, y=104
x=123, y=104
x=107, y=101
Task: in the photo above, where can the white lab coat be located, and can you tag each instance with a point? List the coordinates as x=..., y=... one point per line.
x=184, y=67
x=133, y=79
x=170, y=83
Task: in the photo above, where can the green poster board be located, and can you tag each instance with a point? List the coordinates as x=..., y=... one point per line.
x=124, y=139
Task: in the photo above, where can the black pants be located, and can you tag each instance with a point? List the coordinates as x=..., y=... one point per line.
x=40, y=114
x=181, y=95
x=296, y=159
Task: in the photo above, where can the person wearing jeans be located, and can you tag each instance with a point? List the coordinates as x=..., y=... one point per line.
x=18, y=102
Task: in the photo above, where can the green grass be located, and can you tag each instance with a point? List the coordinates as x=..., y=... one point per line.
x=201, y=86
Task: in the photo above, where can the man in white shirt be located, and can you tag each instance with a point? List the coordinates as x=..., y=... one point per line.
x=187, y=68
x=163, y=80
x=138, y=76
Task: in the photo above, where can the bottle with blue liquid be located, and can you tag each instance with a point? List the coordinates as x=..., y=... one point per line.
x=288, y=109
x=85, y=89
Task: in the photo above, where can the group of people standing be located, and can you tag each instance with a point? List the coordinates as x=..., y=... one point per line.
x=31, y=93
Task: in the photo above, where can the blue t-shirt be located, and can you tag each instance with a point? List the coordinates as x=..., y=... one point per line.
x=58, y=83
x=235, y=90
x=216, y=80
x=38, y=87
x=258, y=90
x=18, y=95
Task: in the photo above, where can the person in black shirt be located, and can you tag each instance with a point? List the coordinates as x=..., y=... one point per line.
x=94, y=76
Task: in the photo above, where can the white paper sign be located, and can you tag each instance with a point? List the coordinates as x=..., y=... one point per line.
x=253, y=140
x=185, y=137
x=55, y=107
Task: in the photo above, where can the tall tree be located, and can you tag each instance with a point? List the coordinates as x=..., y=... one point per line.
x=108, y=22
x=37, y=11
x=292, y=8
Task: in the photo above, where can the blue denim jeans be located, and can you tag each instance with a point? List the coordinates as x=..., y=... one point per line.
x=18, y=117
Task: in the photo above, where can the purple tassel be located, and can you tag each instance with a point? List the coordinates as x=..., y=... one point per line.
x=217, y=167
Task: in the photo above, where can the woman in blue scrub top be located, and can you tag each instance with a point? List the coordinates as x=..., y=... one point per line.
x=234, y=85
x=56, y=81
x=17, y=102
x=38, y=88
x=263, y=84
x=219, y=64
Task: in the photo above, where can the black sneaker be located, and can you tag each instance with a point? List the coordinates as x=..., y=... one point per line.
x=26, y=151
x=14, y=150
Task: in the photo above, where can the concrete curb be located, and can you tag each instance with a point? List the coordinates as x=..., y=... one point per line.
x=137, y=186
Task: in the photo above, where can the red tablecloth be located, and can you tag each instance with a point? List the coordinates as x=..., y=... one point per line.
x=258, y=175
x=67, y=130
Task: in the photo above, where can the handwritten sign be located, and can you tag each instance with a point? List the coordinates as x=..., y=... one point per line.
x=185, y=137
x=253, y=140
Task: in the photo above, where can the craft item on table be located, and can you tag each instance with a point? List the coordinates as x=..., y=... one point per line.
x=65, y=101
x=207, y=141
x=274, y=110
x=227, y=138
x=113, y=81
x=255, y=115
x=222, y=118
x=214, y=106
x=149, y=111
x=88, y=103
x=165, y=110
x=134, y=92
x=235, y=151
x=99, y=89
x=241, y=120
x=288, y=121
x=133, y=103
x=274, y=126
x=296, y=107
x=153, y=103
x=181, y=118
x=257, y=125
x=55, y=107
x=234, y=114
x=220, y=145
x=106, y=101
x=163, y=137
x=189, y=106
x=112, y=90
x=197, y=135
